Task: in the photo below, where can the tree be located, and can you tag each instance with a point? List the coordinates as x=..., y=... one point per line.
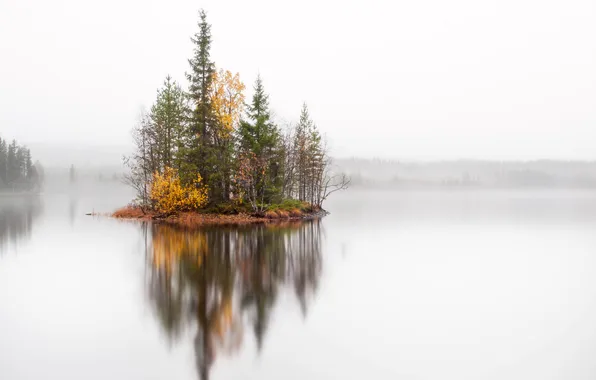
x=159, y=140
x=308, y=176
x=330, y=184
x=16, y=169
x=227, y=99
x=200, y=134
x=21, y=161
x=260, y=136
x=140, y=163
x=28, y=163
x=249, y=180
x=305, y=159
x=167, y=116
x=13, y=171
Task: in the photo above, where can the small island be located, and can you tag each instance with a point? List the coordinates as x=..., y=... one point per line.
x=204, y=156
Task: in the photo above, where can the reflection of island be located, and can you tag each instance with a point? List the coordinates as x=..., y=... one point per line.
x=212, y=278
x=16, y=217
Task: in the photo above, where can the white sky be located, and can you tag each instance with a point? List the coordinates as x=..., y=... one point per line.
x=424, y=79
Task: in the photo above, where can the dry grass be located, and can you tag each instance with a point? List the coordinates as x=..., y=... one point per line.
x=193, y=219
x=283, y=214
x=197, y=219
x=271, y=214
x=130, y=212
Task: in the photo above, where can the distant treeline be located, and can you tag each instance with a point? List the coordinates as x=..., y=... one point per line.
x=470, y=173
x=204, y=145
x=17, y=171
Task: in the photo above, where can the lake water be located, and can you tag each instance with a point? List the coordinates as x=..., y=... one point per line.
x=392, y=285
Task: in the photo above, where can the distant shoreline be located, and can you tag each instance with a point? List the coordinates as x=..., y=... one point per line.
x=456, y=187
x=9, y=194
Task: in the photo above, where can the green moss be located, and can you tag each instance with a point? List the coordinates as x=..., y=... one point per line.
x=228, y=209
x=290, y=207
x=291, y=204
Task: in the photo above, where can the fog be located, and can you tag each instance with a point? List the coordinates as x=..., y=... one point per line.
x=428, y=213
x=420, y=80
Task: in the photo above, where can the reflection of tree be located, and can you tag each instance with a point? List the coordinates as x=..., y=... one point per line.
x=16, y=217
x=210, y=278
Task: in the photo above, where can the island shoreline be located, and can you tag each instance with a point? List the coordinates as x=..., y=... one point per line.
x=198, y=219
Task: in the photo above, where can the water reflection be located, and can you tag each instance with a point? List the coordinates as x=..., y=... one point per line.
x=72, y=209
x=220, y=282
x=17, y=215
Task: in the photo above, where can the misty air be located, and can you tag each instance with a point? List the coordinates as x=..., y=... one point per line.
x=304, y=190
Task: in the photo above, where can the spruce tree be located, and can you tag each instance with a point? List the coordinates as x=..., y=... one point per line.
x=260, y=136
x=199, y=150
x=167, y=116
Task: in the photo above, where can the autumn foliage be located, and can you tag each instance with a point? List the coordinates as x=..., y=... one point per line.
x=169, y=195
x=227, y=100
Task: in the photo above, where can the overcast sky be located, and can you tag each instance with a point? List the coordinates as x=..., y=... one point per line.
x=424, y=79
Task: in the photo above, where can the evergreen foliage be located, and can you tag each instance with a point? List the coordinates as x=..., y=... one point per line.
x=17, y=173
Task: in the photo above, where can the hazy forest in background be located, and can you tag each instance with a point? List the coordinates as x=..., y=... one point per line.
x=470, y=173
x=17, y=171
x=376, y=173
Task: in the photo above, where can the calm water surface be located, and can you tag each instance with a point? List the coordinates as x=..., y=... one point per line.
x=392, y=285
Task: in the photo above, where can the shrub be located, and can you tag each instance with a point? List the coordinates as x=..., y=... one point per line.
x=169, y=195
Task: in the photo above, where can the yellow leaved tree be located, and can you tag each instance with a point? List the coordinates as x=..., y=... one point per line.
x=227, y=100
x=169, y=195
